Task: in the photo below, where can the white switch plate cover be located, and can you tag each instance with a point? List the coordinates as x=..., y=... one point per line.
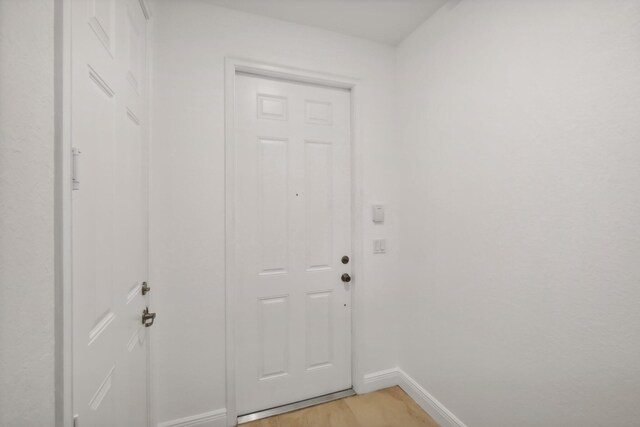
x=379, y=246
x=378, y=214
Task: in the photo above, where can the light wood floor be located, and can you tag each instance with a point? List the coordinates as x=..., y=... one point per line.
x=390, y=407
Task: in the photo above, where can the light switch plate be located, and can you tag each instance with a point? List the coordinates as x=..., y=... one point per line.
x=379, y=246
x=378, y=214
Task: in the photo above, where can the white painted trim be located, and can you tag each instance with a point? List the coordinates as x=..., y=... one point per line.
x=232, y=66
x=428, y=402
x=62, y=217
x=230, y=203
x=379, y=380
x=357, y=241
x=147, y=91
x=396, y=376
x=217, y=418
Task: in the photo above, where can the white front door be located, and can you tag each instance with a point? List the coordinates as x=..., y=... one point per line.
x=292, y=216
x=109, y=213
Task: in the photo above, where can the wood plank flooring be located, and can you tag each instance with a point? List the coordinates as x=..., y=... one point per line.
x=390, y=407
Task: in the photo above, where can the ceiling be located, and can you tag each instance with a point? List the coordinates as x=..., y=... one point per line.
x=384, y=21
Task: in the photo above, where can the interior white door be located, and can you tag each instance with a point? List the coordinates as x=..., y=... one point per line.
x=109, y=213
x=292, y=221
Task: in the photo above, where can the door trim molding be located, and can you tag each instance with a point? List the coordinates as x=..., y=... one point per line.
x=232, y=66
x=63, y=322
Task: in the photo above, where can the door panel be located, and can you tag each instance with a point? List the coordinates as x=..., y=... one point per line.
x=273, y=175
x=318, y=206
x=109, y=214
x=293, y=226
x=274, y=336
x=318, y=322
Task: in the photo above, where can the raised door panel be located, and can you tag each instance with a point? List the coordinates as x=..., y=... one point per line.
x=102, y=404
x=128, y=205
x=319, y=205
x=135, y=46
x=318, y=331
x=272, y=107
x=274, y=337
x=102, y=21
x=318, y=112
x=273, y=205
x=98, y=207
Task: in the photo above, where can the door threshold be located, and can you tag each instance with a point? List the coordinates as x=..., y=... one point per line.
x=295, y=406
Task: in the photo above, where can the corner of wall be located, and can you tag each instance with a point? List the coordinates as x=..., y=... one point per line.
x=397, y=377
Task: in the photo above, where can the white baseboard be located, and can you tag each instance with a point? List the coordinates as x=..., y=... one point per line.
x=430, y=404
x=396, y=376
x=379, y=380
x=217, y=418
x=372, y=382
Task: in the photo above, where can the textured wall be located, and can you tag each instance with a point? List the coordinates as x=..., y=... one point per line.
x=191, y=39
x=26, y=213
x=520, y=223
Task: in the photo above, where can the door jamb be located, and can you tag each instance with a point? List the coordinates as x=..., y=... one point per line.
x=63, y=323
x=233, y=66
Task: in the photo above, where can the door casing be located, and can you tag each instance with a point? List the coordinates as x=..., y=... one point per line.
x=233, y=66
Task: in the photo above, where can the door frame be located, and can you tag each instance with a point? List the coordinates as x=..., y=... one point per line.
x=234, y=65
x=62, y=216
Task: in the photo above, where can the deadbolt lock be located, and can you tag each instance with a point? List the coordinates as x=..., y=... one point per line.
x=145, y=288
x=345, y=259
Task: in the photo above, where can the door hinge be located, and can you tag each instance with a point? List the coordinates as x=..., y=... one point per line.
x=75, y=181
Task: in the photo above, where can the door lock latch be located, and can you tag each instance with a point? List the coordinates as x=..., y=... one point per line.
x=148, y=318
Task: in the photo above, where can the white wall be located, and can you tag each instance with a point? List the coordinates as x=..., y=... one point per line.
x=520, y=223
x=26, y=213
x=191, y=39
